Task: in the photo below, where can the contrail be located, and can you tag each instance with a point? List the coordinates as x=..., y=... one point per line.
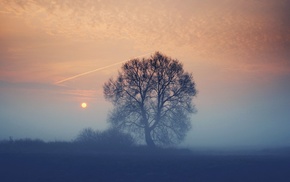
x=98, y=69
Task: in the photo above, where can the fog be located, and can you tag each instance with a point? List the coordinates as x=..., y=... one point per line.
x=237, y=51
x=229, y=115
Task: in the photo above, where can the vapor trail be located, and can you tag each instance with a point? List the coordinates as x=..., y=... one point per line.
x=98, y=69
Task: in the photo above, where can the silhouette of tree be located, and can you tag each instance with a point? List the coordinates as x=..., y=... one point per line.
x=152, y=99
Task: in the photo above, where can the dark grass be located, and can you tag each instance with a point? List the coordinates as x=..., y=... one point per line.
x=68, y=162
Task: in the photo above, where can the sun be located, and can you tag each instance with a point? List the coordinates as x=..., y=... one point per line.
x=84, y=105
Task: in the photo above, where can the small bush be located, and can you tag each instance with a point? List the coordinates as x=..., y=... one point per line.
x=111, y=138
x=88, y=135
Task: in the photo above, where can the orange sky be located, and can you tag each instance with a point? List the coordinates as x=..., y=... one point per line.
x=224, y=43
x=56, y=39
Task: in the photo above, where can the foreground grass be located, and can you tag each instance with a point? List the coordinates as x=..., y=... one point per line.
x=75, y=167
x=35, y=160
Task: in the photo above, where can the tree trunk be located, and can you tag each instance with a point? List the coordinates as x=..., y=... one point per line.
x=150, y=143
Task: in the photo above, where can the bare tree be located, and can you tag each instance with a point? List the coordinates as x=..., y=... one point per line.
x=152, y=99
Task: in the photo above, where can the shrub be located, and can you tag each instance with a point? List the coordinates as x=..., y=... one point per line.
x=110, y=138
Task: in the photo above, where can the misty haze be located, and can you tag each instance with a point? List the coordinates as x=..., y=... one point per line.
x=144, y=91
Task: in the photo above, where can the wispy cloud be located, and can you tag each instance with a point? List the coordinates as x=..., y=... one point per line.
x=209, y=28
x=252, y=34
x=51, y=89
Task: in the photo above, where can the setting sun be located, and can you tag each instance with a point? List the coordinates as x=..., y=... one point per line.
x=84, y=105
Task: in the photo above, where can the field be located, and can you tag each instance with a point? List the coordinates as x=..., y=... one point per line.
x=135, y=166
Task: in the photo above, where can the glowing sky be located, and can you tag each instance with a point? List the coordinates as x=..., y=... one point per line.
x=237, y=50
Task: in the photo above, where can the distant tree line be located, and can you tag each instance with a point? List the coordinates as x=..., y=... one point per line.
x=86, y=142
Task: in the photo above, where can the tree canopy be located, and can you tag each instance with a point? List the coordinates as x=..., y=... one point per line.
x=152, y=99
